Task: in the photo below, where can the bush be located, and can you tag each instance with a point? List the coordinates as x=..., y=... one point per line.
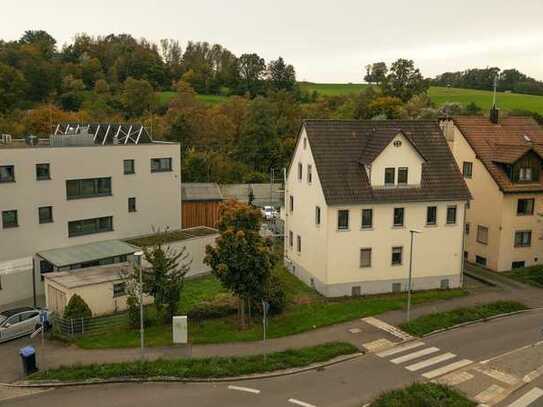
x=275, y=295
x=77, y=308
x=133, y=312
x=223, y=305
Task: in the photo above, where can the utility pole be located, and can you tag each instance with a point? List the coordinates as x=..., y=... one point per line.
x=139, y=255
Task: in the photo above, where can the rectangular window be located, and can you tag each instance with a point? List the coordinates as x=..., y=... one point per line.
x=290, y=239
x=431, y=215
x=480, y=260
x=397, y=253
x=525, y=207
x=129, y=167
x=482, y=234
x=88, y=188
x=390, y=175
x=398, y=217
x=518, y=264
x=43, y=172
x=161, y=164
x=343, y=219
x=451, y=215
x=367, y=218
x=309, y=174
x=119, y=290
x=466, y=228
x=317, y=215
x=291, y=203
x=131, y=204
x=45, y=214
x=299, y=243
x=525, y=174
x=7, y=173
x=523, y=238
x=90, y=226
x=402, y=175
x=467, y=169
x=300, y=171
x=365, y=258
x=9, y=219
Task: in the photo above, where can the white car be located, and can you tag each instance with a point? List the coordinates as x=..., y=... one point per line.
x=18, y=322
x=269, y=212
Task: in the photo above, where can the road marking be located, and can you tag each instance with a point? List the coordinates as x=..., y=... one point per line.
x=387, y=328
x=447, y=369
x=399, y=349
x=533, y=375
x=355, y=330
x=300, y=403
x=430, y=362
x=490, y=394
x=454, y=379
x=245, y=389
x=414, y=355
x=499, y=376
x=378, y=345
x=528, y=398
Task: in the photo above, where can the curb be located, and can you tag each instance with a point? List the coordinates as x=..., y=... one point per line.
x=480, y=279
x=167, y=379
x=463, y=324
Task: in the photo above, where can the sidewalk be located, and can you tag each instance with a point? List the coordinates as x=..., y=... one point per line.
x=357, y=332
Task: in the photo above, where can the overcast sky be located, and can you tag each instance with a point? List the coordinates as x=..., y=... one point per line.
x=326, y=41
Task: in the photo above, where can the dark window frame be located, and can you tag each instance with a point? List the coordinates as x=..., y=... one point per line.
x=132, y=169
x=341, y=224
x=101, y=186
x=530, y=204
x=300, y=171
x=309, y=174
x=7, y=179
x=365, y=250
x=43, y=177
x=480, y=228
x=467, y=169
x=6, y=225
x=161, y=168
x=394, y=218
x=452, y=210
x=403, y=172
x=395, y=250
x=390, y=172
x=317, y=215
x=132, y=204
x=119, y=292
x=43, y=220
x=97, y=222
x=298, y=243
x=519, y=243
x=291, y=239
x=366, y=225
x=291, y=203
x=431, y=210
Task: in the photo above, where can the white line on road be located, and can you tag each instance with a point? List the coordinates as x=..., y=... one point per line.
x=399, y=349
x=245, y=389
x=430, y=362
x=300, y=403
x=528, y=398
x=446, y=369
x=414, y=355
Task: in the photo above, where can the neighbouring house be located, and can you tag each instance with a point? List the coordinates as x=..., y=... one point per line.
x=501, y=160
x=355, y=191
x=95, y=270
x=200, y=204
x=83, y=184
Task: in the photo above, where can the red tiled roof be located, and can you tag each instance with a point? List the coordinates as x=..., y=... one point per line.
x=505, y=142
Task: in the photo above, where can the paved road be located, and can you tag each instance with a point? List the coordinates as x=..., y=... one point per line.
x=349, y=384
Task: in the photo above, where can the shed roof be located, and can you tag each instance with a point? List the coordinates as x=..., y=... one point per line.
x=68, y=256
x=89, y=276
x=200, y=191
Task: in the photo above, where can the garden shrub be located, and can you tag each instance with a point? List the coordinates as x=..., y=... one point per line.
x=77, y=308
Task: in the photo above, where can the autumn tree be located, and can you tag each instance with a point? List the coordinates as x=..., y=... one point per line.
x=137, y=97
x=241, y=259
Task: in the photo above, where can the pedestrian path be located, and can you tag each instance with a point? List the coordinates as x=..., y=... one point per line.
x=428, y=361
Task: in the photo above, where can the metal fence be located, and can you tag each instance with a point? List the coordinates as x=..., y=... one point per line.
x=88, y=326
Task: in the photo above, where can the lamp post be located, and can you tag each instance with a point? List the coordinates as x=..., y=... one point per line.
x=139, y=255
x=409, y=282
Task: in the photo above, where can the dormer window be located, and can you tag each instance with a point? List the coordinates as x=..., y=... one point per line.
x=402, y=175
x=525, y=174
x=390, y=176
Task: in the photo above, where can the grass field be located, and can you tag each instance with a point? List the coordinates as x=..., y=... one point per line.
x=165, y=97
x=423, y=395
x=306, y=310
x=528, y=275
x=439, y=95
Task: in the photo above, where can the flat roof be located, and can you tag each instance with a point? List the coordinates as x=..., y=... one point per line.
x=200, y=191
x=89, y=276
x=173, y=236
x=68, y=256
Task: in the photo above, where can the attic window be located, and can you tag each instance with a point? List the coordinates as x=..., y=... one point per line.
x=305, y=143
x=397, y=143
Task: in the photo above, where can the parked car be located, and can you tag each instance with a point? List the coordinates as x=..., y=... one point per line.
x=269, y=212
x=18, y=322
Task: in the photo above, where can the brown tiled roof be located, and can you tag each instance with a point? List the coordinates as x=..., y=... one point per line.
x=504, y=142
x=340, y=148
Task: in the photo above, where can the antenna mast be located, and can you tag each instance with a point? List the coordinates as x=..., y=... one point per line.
x=495, y=87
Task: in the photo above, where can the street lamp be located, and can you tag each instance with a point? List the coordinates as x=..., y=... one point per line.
x=409, y=282
x=138, y=255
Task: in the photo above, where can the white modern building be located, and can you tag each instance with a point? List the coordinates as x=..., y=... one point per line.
x=84, y=184
x=356, y=189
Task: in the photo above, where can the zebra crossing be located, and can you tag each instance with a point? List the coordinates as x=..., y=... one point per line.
x=528, y=399
x=429, y=361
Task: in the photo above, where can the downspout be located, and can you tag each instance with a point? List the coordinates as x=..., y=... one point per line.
x=285, y=229
x=462, y=261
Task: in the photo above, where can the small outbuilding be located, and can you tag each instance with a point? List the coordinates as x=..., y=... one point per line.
x=200, y=204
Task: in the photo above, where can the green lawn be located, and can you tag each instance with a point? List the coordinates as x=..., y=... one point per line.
x=306, y=310
x=528, y=275
x=423, y=395
x=203, y=368
x=440, y=95
x=429, y=323
x=165, y=97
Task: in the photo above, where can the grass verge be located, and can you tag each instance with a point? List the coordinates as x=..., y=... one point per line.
x=429, y=323
x=528, y=275
x=422, y=395
x=203, y=368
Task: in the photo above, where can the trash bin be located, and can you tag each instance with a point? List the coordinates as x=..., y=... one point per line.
x=28, y=357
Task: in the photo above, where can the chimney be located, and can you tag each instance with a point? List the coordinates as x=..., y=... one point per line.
x=494, y=114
